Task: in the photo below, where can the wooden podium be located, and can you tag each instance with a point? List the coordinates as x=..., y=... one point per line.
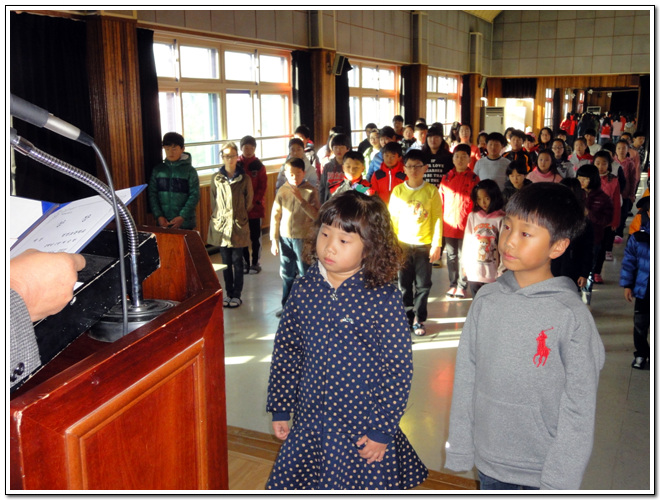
x=146, y=412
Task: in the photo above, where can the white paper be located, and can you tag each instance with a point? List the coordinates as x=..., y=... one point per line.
x=71, y=227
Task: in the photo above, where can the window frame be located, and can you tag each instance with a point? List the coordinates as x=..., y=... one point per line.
x=222, y=85
x=358, y=122
x=434, y=95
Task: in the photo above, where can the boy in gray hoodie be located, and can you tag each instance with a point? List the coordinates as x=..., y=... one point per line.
x=529, y=358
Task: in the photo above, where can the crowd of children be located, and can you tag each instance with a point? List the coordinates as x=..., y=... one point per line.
x=522, y=222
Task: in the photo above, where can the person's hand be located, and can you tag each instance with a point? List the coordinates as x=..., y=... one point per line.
x=435, y=254
x=281, y=429
x=177, y=222
x=274, y=248
x=45, y=280
x=163, y=222
x=582, y=282
x=296, y=192
x=372, y=451
x=628, y=294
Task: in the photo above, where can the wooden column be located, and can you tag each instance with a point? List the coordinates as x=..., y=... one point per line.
x=115, y=102
x=324, y=95
x=475, y=106
x=418, y=74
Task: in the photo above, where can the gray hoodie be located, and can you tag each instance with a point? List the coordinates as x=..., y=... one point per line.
x=524, y=398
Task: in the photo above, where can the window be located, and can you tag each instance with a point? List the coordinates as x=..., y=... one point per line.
x=580, y=108
x=211, y=93
x=373, y=97
x=567, y=105
x=442, y=100
x=547, y=117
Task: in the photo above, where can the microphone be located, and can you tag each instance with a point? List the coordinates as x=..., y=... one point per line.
x=26, y=111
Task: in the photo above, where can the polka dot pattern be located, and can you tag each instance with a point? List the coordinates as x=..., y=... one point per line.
x=342, y=364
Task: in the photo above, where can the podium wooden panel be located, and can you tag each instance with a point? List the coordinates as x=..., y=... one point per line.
x=146, y=412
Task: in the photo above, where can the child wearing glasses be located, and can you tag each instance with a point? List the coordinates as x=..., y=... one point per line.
x=231, y=201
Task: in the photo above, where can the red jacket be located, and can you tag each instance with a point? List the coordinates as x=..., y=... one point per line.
x=386, y=179
x=455, y=190
x=256, y=171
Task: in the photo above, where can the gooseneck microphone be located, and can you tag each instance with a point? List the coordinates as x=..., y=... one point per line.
x=41, y=118
x=122, y=315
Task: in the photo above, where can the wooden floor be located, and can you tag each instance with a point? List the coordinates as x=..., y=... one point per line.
x=252, y=454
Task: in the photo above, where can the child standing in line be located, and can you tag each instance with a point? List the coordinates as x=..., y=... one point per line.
x=609, y=184
x=524, y=400
x=342, y=361
x=304, y=134
x=174, y=186
x=416, y=211
x=529, y=145
x=437, y=156
x=494, y=165
x=391, y=172
x=372, y=150
x=517, y=152
x=297, y=150
x=481, y=261
x=231, y=201
x=333, y=171
x=455, y=190
x=408, y=138
x=599, y=210
x=481, y=144
x=545, y=139
x=257, y=173
x=546, y=168
x=516, y=173
x=625, y=165
x=580, y=154
x=353, y=169
x=635, y=280
x=295, y=208
x=560, y=158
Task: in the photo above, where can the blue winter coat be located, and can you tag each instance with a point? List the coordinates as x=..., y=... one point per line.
x=342, y=363
x=636, y=265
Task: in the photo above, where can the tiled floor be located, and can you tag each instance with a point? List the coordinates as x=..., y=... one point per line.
x=621, y=458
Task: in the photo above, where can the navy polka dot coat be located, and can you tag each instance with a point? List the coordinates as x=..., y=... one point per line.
x=342, y=364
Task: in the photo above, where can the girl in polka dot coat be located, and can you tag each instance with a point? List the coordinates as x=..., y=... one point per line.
x=342, y=362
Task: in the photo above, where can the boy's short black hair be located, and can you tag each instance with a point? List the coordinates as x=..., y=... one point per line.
x=173, y=139
x=463, y=147
x=496, y=136
x=644, y=203
x=421, y=126
x=590, y=131
x=354, y=155
x=387, y=131
x=590, y=171
x=433, y=132
x=530, y=138
x=410, y=126
x=397, y=118
x=392, y=147
x=303, y=130
x=370, y=126
x=340, y=140
x=248, y=139
x=628, y=134
x=297, y=141
x=516, y=165
x=518, y=133
x=561, y=132
x=550, y=205
x=415, y=154
x=297, y=163
x=639, y=133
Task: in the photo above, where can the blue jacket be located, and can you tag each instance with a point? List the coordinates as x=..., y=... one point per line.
x=636, y=265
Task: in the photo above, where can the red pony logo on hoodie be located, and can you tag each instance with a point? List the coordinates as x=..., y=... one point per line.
x=542, y=350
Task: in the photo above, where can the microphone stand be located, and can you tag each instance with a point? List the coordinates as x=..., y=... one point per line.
x=140, y=311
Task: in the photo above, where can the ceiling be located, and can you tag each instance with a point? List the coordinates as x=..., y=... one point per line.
x=488, y=15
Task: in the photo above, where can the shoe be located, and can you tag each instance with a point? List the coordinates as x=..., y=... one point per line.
x=278, y=314
x=451, y=292
x=609, y=257
x=638, y=363
x=618, y=240
x=438, y=263
x=255, y=269
x=419, y=329
x=225, y=302
x=598, y=279
x=460, y=293
x=246, y=269
x=234, y=303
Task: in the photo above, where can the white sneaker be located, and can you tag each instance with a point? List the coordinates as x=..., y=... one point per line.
x=638, y=363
